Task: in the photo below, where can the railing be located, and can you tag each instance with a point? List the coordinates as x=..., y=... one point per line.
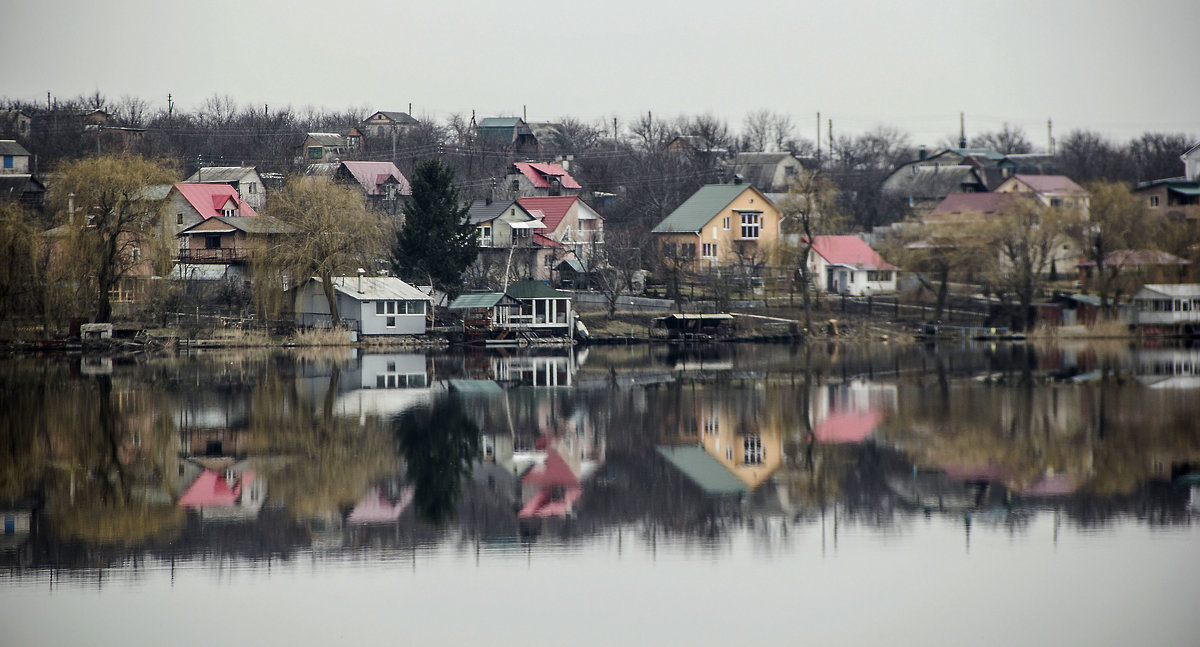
x=221, y=255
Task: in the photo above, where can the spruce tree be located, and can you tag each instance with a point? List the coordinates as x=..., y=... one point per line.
x=437, y=242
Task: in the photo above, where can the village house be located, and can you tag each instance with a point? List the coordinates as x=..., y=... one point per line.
x=245, y=179
x=188, y=204
x=528, y=179
x=17, y=182
x=769, y=172
x=381, y=182
x=509, y=134
x=369, y=305
x=571, y=226
x=386, y=124
x=510, y=237
x=1171, y=307
x=1177, y=198
x=15, y=123
x=1135, y=267
x=526, y=306
x=1057, y=191
x=14, y=159
x=720, y=225
x=328, y=147
x=847, y=265
x=221, y=248
x=923, y=186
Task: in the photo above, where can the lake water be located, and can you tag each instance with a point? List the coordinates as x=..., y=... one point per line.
x=963, y=494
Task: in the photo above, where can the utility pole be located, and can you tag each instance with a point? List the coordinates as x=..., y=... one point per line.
x=170, y=107
x=1050, y=135
x=614, y=132
x=649, y=128
x=830, y=140
x=818, y=139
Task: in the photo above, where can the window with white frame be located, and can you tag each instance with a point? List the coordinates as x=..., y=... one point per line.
x=725, y=223
x=1153, y=201
x=709, y=250
x=753, y=450
x=750, y=225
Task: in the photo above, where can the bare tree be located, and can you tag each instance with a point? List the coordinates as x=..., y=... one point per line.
x=1009, y=140
x=808, y=210
x=613, y=265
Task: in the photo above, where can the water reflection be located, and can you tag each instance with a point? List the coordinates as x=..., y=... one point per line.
x=265, y=455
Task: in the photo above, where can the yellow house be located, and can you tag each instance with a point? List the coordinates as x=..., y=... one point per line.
x=720, y=225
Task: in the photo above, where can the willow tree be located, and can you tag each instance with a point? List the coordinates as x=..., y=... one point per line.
x=334, y=233
x=1027, y=235
x=106, y=219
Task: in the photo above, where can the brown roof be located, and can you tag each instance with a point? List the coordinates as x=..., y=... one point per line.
x=1046, y=184
x=1138, y=257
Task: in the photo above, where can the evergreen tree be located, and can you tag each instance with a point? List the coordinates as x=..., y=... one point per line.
x=437, y=242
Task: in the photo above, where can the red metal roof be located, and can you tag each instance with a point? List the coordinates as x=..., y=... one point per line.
x=208, y=199
x=547, y=503
x=539, y=174
x=211, y=489
x=851, y=251
x=376, y=508
x=552, y=472
x=546, y=241
x=847, y=427
x=553, y=208
x=373, y=175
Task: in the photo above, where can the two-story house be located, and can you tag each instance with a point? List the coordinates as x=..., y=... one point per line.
x=1176, y=198
x=509, y=134
x=1051, y=190
x=770, y=172
x=221, y=248
x=187, y=204
x=530, y=179
x=387, y=123
x=569, y=222
x=245, y=179
x=720, y=225
x=510, y=239
x=381, y=182
x=327, y=147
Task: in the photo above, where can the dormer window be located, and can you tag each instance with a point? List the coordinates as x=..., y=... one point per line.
x=228, y=213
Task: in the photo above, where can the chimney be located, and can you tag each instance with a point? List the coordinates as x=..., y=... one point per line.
x=923, y=154
x=361, y=271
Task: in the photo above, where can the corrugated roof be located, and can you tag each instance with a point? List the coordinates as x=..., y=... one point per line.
x=377, y=287
x=850, y=251
x=207, y=199
x=703, y=470
x=539, y=174
x=553, y=208
x=986, y=203
x=1173, y=290
x=373, y=175
x=499, y=122
x=219, y=174
x=476, y=300
x=529, y=289
x=328, y=139
x=701, y=207
x=1138, y=257
x=481, y=212
x=11, y=147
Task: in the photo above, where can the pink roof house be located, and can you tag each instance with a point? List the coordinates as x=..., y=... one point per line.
x=847, y=265
x=1050, y=190
x=555, y=488
x=536, y=179
x=569, y=221
x=188, y=204
x=234, y=494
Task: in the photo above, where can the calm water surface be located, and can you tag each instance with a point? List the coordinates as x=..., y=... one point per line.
x=1002, y=495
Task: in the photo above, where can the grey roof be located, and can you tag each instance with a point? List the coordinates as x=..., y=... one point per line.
x=702, y=469
x=481, y=300
x=376, y=287
x=220, y=174
x=481, y=212
x=930, y=181
x=259, y=224
x=702, y=206
x=327, y=169
x=398, y=117
x=15, y=185
x=11, y=147
x=328, y=139
x=1173, y=290
x=759, y=168
x=154, y=192
x=476, y=387
x=529, y=289
x=499, y=122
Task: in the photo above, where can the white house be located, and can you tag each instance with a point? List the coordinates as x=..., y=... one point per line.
x=847, y=265
x=1169, y=305
x=371, y=305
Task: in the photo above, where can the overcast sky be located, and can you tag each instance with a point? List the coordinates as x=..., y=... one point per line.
x=1121, y=68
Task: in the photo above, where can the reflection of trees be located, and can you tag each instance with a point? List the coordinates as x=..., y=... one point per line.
x=439, y=445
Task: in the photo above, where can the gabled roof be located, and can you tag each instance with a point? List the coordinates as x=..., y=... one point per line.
x=702, y=469
x=482, y=300
x=553, y=472
x=1172, y=290
x=1138, y=257
x=212, y=489
x=374, y=175
x=499, y=122
x=540, y=174
x=254, y=225
x=402, y=118
x=703, y=205
x=207, y=199
x=931, y=181
x=328, y=139
x=220, y=174
x=553, y=208
x=480, y=211
x=530, y=289
x=376, y=287
x=987, y=203
x=1050, y=184
x=11, y=147
x=850, y=251
x=542, y=240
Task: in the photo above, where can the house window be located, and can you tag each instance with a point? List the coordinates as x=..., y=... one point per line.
x=179, y=219
x=750, y=225
x=879, y=275
x=212, y=241
x=709, y=250
x=1153, y=201
x=485, y=236
x=137, y=255
x=391, y=367
x=415, y=307
x=378, y=307
x=1056, y=202
x=380, y=382
x=516, y=185
x=391, y=322
x=251, y=188
x=391, y=309
x=314, y=152
x=725, y=223
x=228, y=213
x=687, y=250
x=753, y=454
x=8, y=161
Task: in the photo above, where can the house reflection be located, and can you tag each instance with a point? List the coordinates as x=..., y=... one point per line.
x=385, y=384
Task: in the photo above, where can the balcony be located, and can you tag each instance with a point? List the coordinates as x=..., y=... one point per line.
x=219, y=255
